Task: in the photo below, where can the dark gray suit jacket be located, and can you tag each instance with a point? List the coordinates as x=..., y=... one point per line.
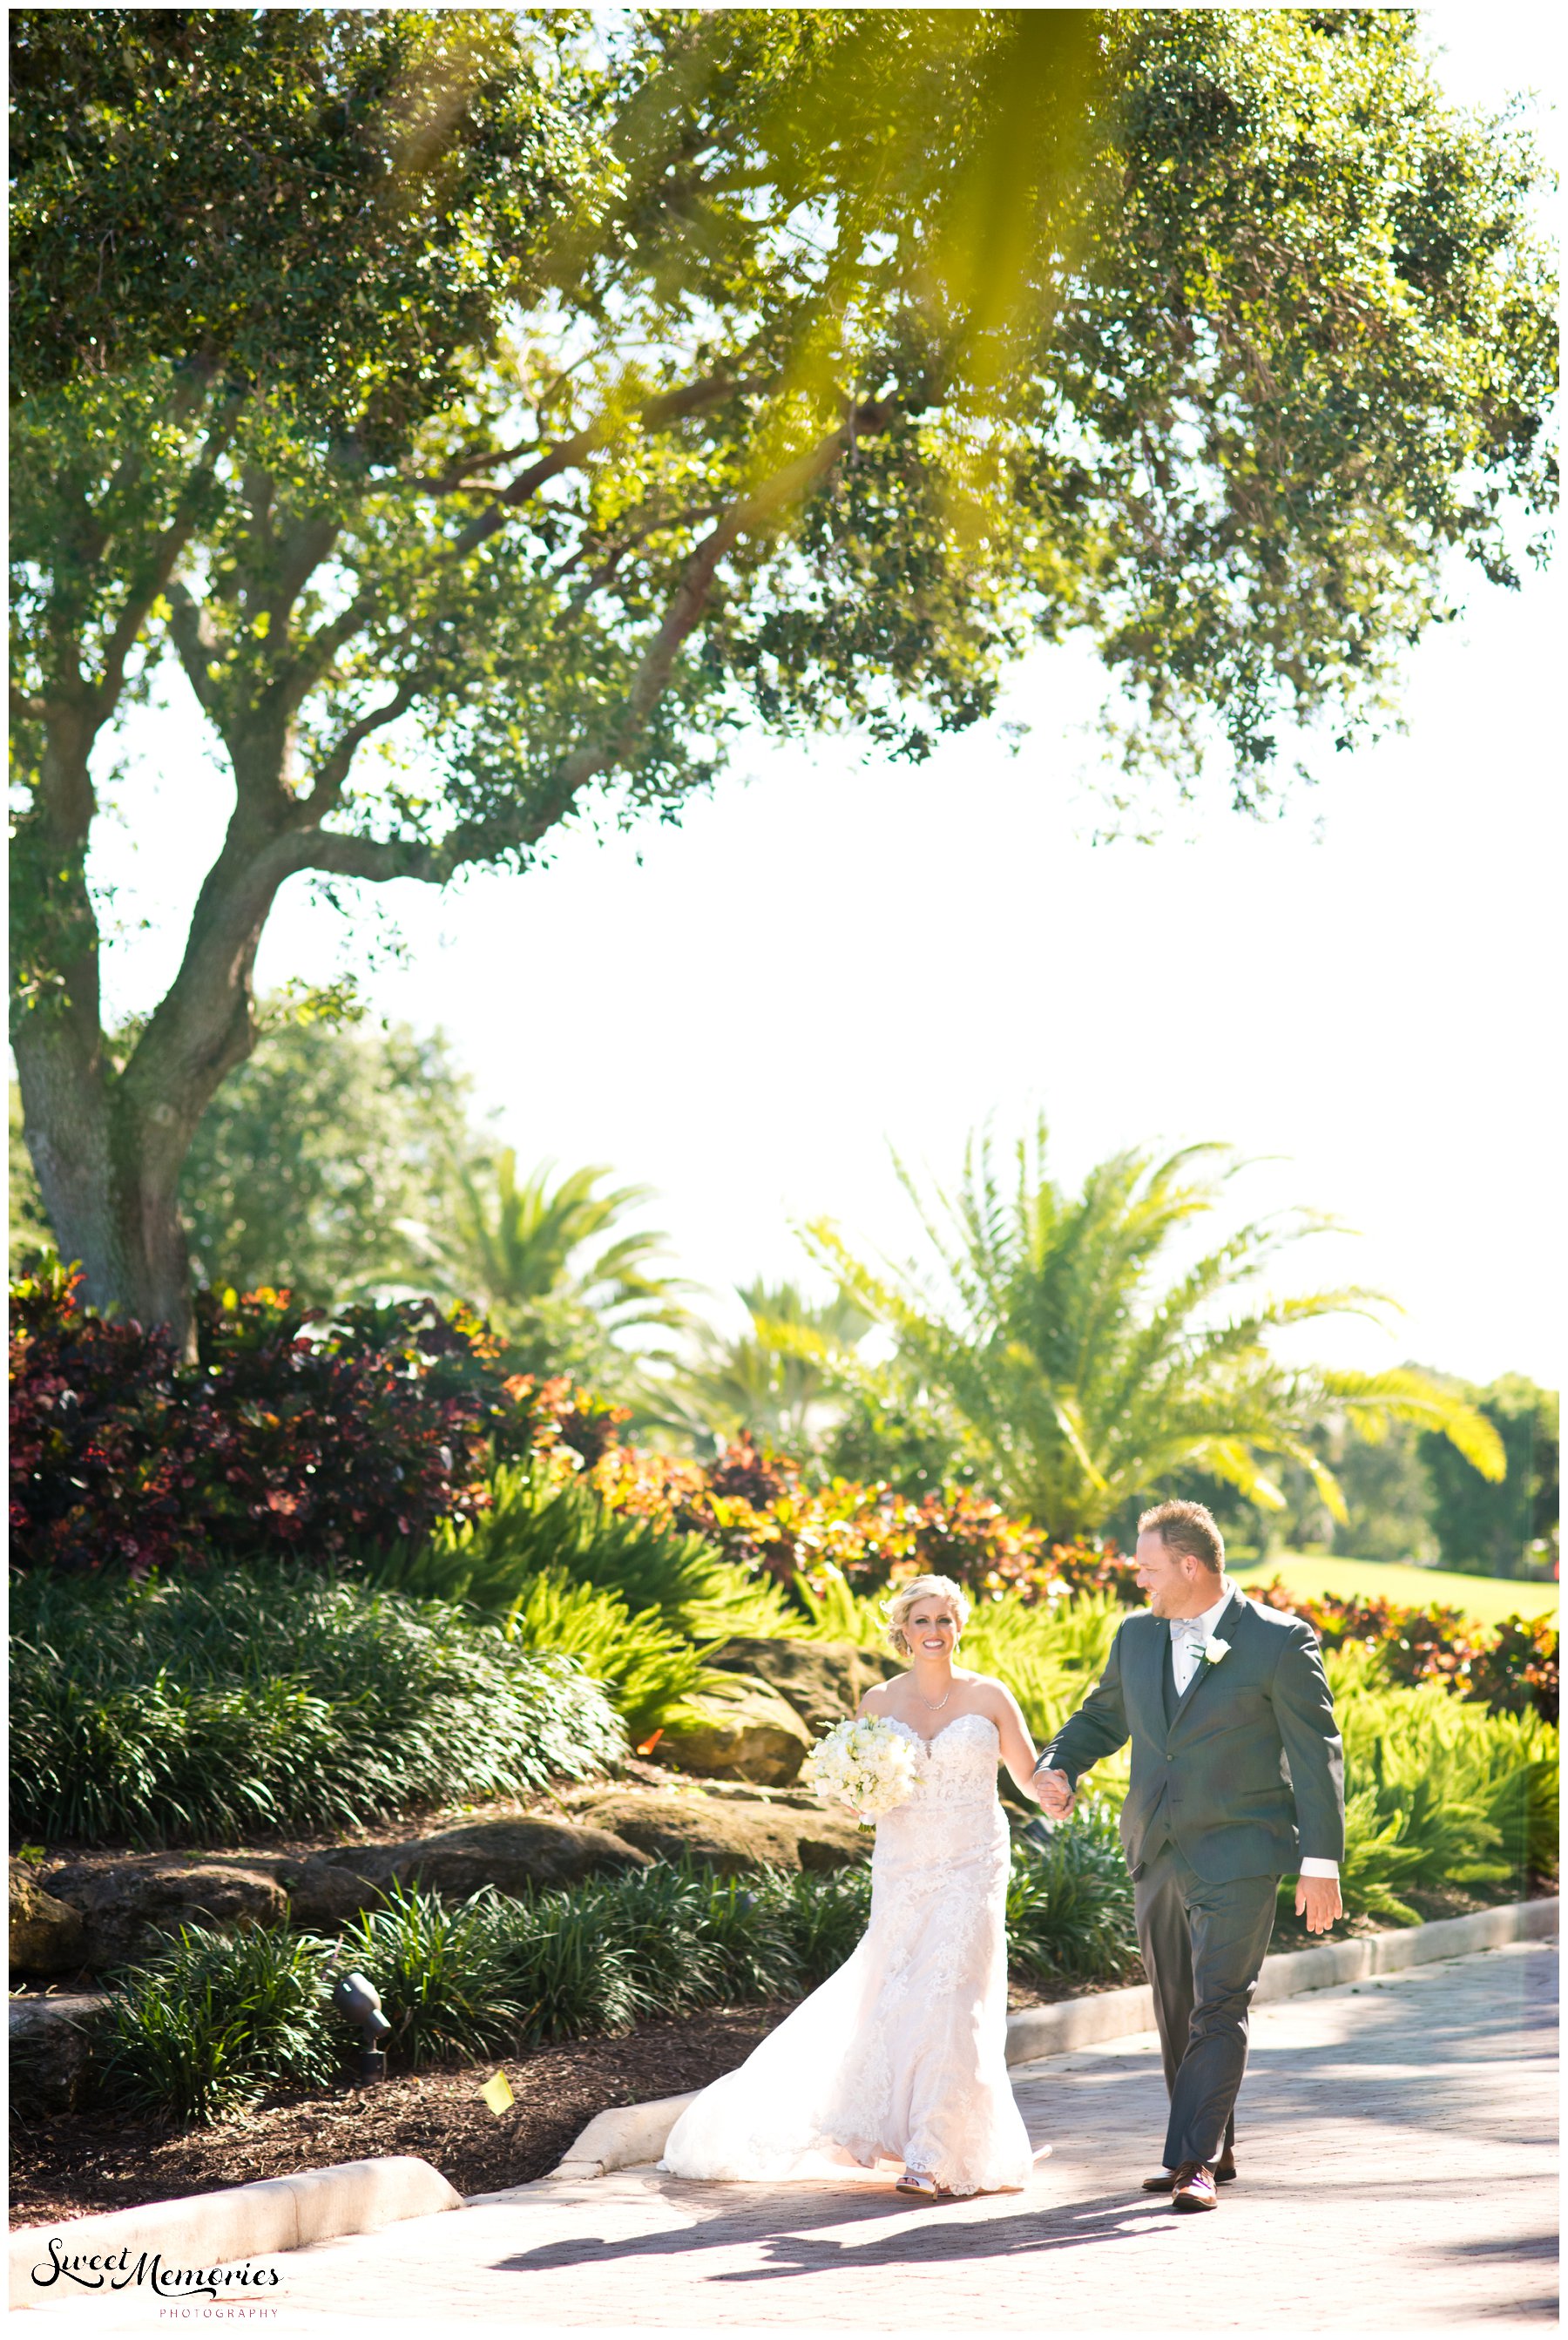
x=1250, y=1769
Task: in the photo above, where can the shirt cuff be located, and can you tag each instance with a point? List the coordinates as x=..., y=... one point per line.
x=1319, y=1868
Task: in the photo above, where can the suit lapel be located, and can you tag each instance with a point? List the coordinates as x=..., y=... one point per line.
x=1229, y=1616
x=1147, y=1661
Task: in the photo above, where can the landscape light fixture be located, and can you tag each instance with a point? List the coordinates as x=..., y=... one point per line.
x=355, y=1996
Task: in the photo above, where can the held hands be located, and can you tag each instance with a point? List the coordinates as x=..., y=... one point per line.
x=1056, y=1794
x=1317, y=1901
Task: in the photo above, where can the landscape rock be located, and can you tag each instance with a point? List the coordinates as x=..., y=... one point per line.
x=731, y=1836
x=516, y=1856
x=822, y=1681
x=743, y=1731
x=124, y=1907
x=47, y=1936
x=50, y=2051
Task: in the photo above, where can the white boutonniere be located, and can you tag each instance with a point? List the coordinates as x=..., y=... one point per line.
x=1214, y=1650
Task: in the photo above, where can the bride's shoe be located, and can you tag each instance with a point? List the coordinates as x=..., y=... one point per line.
x=916, y=2181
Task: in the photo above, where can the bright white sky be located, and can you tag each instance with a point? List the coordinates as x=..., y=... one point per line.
x=831, y=955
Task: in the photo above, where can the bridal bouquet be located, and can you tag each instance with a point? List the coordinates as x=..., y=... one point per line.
x=865, y=1763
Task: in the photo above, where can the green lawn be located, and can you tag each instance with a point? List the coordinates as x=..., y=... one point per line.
x=1488, y=1599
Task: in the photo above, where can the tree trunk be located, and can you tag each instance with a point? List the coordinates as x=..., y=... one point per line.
x=111, y=1197
x=109, y=1145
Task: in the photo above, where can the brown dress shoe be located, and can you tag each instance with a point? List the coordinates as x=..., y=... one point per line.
x=1225, y=2170
x=1194, y=2188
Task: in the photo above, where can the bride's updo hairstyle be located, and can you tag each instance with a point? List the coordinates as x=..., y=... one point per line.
x=898, y=1607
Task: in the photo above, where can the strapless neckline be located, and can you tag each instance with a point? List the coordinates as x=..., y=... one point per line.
x=920, y=1741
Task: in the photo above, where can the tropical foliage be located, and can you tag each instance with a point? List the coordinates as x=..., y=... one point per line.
x=275, y=1440
x=545, y=1263
x=480, y=408
x=1509, y=1669
x=1083, y=1380
x=266, y=1698
x=771, y=1382
x=290, y=1432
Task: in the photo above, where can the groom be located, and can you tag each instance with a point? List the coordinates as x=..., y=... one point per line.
x=1238, y=1780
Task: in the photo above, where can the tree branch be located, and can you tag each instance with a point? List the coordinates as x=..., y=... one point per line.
x=379, y=861
x=301, y=674
x=755, y=511
x=657, y=414
x=327, y=792
x=185, y=615
x=160, y=564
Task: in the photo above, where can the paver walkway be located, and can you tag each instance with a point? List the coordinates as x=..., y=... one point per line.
x=1397, y=2172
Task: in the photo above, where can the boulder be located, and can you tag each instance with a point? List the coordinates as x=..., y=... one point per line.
x=822, y=1681
x=731, y=1835
x=739, y=1731
x=124, y=1905
x=51, y=2047
x=47, y=1936
x=514, y=1855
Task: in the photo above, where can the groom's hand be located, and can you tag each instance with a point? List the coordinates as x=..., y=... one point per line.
x=1057, y=1798
x=1317, y=1901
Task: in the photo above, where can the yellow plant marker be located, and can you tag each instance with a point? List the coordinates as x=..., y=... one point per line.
x=496, y=2094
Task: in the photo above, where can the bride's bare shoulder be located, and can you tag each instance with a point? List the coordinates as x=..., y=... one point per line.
x=990, y=1693
x=877, y=1699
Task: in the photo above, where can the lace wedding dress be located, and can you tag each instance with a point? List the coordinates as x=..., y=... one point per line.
x=900, y=2055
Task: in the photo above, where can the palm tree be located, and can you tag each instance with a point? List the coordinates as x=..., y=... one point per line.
x=1084, y=1381
x=532, y=1253
x=773, y=1380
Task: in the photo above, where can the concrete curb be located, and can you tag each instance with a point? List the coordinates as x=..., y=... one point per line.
x=630, y=2135
x=623, y=2135
x=246, y=2222
x=1112, y=2014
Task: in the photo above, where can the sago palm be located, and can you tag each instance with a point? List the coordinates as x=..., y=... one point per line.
x=1085, y=1379
x=535, y=1254
x=773, y=1379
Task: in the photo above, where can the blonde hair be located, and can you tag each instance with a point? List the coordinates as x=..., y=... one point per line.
x=898, y=1606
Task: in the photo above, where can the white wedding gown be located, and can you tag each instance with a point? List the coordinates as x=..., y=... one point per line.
x=902, y=2055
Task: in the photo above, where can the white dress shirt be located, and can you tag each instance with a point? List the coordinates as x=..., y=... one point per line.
x=1188, y=1635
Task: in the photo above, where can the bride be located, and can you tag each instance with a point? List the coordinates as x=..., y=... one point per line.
x=902, y=2055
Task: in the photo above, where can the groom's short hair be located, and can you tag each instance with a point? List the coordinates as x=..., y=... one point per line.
x=1187, y=1528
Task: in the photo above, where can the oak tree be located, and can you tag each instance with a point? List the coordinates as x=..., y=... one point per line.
x=488, y=412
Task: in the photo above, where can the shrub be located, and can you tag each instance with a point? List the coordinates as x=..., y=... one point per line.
x=290, y=1432
x=566, y=1978
x=754, y=1926
x=445, y=1983
x=267, y=1698
x=644, y=1665
x=1438, y=1791
x=759, y=1509
x=1070, y=1902
x=824, y=1917
x=1507, y=1670
x=538, y=1519
x=659, y=1920
x=212, y=2021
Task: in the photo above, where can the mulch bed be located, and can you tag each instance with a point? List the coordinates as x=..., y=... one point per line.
x=87, y=2161
x=90, y=2160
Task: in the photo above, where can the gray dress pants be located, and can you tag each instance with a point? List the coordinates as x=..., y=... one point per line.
x=1203, y=1948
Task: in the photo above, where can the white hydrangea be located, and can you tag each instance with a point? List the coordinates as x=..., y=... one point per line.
x=865, y=1763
